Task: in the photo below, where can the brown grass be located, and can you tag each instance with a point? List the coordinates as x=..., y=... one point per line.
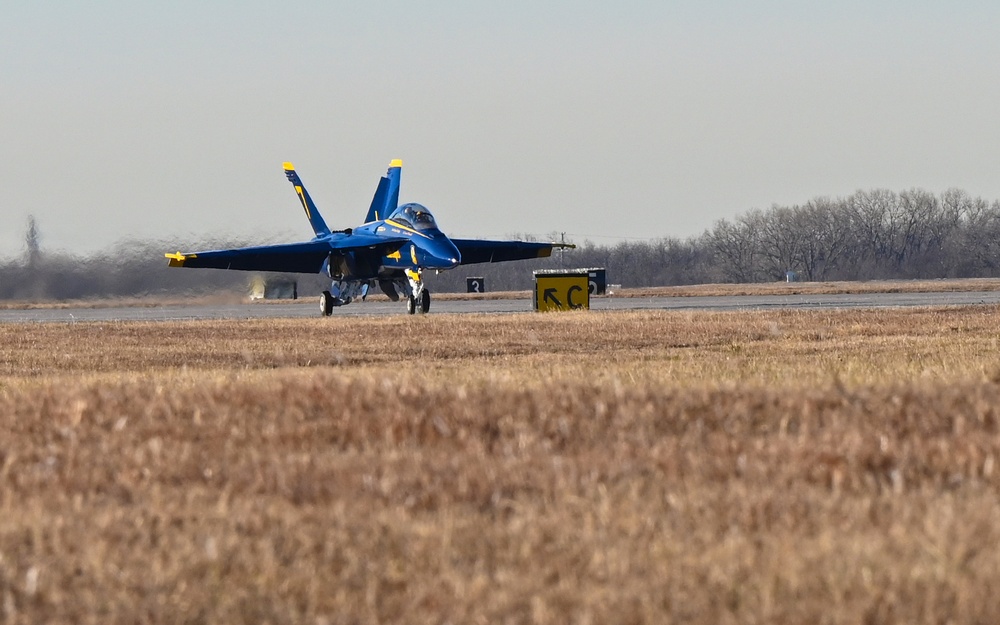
x=627, y=467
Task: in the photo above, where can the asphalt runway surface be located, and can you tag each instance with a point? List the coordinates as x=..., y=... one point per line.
x=309, y=308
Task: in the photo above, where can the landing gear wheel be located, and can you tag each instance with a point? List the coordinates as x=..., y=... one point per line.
x=326, y=304
x=411, y=305
x=425, y=301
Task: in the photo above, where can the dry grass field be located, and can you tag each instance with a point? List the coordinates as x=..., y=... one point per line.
x=619, y=467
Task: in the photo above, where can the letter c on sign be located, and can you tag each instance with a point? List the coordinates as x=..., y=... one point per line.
x=569, y=297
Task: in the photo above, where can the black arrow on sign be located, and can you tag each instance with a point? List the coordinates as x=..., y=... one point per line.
x=550, y=294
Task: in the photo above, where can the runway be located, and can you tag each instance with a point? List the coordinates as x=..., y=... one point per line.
x=308, y=308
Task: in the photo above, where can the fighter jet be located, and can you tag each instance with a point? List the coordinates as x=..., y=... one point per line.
x=391, y=249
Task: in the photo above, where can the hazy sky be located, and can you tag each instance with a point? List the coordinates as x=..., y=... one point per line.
x=603, y=120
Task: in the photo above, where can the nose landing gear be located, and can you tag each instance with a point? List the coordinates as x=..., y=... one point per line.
x=420, y=303
x=419, y=299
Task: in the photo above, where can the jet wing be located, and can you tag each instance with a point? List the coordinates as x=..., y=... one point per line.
x=304, y=257
x=482, y=251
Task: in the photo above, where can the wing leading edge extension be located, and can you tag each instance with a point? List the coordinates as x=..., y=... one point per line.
x=483, y=251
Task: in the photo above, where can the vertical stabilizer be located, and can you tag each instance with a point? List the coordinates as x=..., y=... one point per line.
x=386, y=197
x=312, y=213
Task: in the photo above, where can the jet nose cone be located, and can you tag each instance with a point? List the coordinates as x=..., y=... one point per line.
x=454, y=257
x=447, y=262
x=446, y=255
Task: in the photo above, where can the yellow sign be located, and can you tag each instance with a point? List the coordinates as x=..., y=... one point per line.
x=562, y=292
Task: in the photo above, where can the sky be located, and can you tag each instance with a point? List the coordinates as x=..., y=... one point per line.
x=605, y=121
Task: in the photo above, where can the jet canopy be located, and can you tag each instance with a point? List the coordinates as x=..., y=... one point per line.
x=416, y=216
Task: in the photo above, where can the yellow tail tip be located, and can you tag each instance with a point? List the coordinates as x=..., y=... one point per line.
x=396, y=162
x=288, y=166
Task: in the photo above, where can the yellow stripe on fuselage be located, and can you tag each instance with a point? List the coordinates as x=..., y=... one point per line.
x=396, y=224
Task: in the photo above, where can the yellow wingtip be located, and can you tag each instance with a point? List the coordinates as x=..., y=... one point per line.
x=396, y=162
x=177, y=259
x=288, y=166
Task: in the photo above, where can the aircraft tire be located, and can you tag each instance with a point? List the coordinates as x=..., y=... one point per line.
x=411, y=305
x=425, y=301
x=326, y=303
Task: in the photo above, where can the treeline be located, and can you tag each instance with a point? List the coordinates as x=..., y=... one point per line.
x=663, y=262
x=869, y=235
x=131, y=269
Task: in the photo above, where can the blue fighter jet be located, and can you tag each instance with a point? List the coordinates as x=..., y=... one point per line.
x=392, y=249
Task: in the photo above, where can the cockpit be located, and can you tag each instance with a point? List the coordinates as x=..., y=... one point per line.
x=416, y=216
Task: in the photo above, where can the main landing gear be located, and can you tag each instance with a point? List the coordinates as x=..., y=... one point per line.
x=326, y=303
x=341, y=293
x=418, y=298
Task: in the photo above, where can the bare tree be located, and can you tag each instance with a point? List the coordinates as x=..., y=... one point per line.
x=32, y=244
x=737, y=247
x=868, y=214
x=978, y=243
x=825, y=232
x=782, y=238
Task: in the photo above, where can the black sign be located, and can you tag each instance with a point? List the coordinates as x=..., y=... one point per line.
x=598, y=281
x=475, y=285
